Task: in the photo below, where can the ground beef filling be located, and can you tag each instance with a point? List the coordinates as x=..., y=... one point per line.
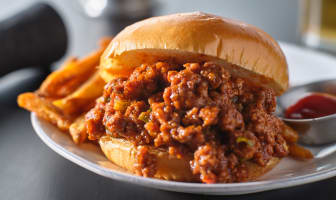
x=197, y=108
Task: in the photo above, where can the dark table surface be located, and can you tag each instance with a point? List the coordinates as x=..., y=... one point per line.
x=30, y=170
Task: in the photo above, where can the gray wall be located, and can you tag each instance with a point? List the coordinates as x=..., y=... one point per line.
x=277, y=17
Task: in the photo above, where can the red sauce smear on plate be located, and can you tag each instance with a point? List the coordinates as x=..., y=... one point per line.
x=312, y=106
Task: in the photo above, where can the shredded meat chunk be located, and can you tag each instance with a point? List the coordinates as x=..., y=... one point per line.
x=196, y=108
x=146, y=162
x=211, y=162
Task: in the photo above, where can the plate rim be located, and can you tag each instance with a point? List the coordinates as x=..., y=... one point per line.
x=200, y=188
x=234, y=188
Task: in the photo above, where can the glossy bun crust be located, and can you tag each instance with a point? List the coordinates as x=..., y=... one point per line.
x=123, y=153
x=242, y=49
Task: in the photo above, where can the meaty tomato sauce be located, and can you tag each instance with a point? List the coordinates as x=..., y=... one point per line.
x=197, y=109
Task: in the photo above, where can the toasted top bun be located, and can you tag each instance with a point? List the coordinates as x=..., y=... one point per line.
x=242, y=49
x=123, y=153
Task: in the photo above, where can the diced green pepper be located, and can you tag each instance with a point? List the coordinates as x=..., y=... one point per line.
x=245, y=140
x=144, y=116
x=120, y=105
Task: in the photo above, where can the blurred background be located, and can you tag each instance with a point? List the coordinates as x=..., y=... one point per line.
x=88, y=20
x=42, y=33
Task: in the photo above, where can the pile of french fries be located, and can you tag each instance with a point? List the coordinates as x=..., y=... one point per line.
x=68, y=93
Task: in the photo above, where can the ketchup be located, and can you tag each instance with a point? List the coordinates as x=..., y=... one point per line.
x=312, y=106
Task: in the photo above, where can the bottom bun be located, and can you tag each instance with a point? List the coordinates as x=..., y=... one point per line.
x=124, y=154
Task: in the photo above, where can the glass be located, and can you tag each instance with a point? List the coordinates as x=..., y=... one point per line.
x=318, y=24
x=116, y=8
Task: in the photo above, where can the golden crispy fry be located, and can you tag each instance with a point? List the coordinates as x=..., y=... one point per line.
x=71, y=75
x=64, y=81
x=299, y=152
x=289, y=134
x=104, y=42
x=78, y=130
x=83, y=98
x=296, y=151
x=44, y=109
x=68, y=93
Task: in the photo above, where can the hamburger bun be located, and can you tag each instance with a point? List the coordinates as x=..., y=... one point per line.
x=244, y=50
x=123, y=153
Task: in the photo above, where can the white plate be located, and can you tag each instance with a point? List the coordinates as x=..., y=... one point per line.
x=305, y=66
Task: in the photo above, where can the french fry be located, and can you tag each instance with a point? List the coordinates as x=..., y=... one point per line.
x=299, y=152
x=64, y=81
x=68, y=93
x=289, y=134
x=71, y=75
x=77, y=130
x=296, y=151
x=83, y=98
x=44, y=109
x=104, y=42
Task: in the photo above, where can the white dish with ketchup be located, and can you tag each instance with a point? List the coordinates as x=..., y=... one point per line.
x=310, y=109
x=306, y=66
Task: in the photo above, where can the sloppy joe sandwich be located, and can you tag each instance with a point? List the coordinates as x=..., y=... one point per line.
x=190, y=97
